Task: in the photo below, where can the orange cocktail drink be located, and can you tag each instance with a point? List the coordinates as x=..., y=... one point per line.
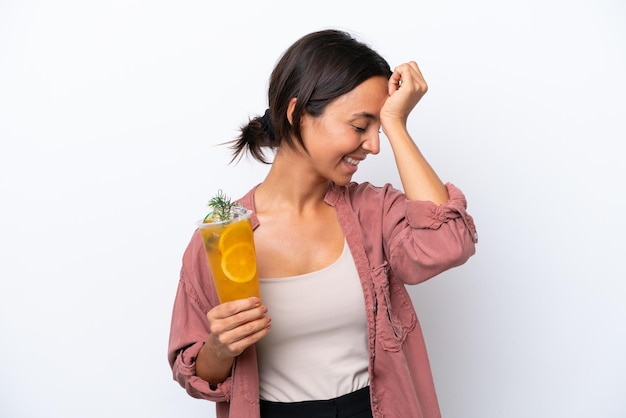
x=230, y=251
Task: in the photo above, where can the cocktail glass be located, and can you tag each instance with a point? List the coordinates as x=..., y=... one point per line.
x=231, y=255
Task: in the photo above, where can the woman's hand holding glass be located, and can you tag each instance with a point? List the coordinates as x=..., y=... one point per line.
x=234, y=327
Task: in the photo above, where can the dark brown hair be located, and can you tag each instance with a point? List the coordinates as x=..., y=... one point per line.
x=316, y=69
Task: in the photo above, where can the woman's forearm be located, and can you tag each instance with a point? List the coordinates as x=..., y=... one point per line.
x=212, y=368
x=419, y=180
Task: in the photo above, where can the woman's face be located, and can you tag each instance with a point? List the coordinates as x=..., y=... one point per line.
x=346, y=132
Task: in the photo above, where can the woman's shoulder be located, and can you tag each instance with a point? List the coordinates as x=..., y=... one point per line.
x=369, y=190
x=359, y=193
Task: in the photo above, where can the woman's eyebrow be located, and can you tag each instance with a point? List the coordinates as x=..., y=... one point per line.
x=364, y=115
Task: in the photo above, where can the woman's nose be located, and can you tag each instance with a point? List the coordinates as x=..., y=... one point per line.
x=372, y=143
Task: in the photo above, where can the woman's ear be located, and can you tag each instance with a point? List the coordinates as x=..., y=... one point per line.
x=290, y=109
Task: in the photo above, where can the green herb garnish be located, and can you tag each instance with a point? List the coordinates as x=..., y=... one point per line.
x=221, y=207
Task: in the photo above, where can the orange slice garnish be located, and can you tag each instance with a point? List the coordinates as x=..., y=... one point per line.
x=239, y=232
x=239, y=263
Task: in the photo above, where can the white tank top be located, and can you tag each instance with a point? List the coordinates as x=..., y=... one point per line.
x=317, y=347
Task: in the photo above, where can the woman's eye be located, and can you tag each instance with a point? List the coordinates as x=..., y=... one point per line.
x=359, y=129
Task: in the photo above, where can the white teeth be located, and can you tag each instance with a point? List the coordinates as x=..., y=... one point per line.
x=351, y=160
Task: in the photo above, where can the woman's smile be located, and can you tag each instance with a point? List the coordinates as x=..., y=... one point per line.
x=351, y=164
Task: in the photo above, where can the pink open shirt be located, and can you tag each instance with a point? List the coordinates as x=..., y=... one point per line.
x=394, y=242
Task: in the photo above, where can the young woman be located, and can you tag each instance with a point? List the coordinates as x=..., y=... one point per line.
x=336, y=333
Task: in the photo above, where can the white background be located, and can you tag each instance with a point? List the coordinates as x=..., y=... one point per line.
x=110, y=116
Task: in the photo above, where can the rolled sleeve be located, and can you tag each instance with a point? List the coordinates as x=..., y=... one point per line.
x=433, y=238
x=189, y=327
x=427, y=215
x=184, y=372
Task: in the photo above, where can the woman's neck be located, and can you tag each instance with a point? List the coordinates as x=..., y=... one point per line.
x=291, y=185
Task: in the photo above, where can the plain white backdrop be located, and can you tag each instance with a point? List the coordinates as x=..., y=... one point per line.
x=110, y=116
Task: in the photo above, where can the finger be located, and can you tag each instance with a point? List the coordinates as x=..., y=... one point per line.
x=403, y=73
x=229, y=309
x=234, y=341
x=248, y=329
x=221, y=325
x=237, y=347
x=419, y=77
x=411, y=69
x=414, y=67
x=394, y=81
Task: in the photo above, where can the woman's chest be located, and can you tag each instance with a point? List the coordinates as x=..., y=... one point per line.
x=291, y=247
